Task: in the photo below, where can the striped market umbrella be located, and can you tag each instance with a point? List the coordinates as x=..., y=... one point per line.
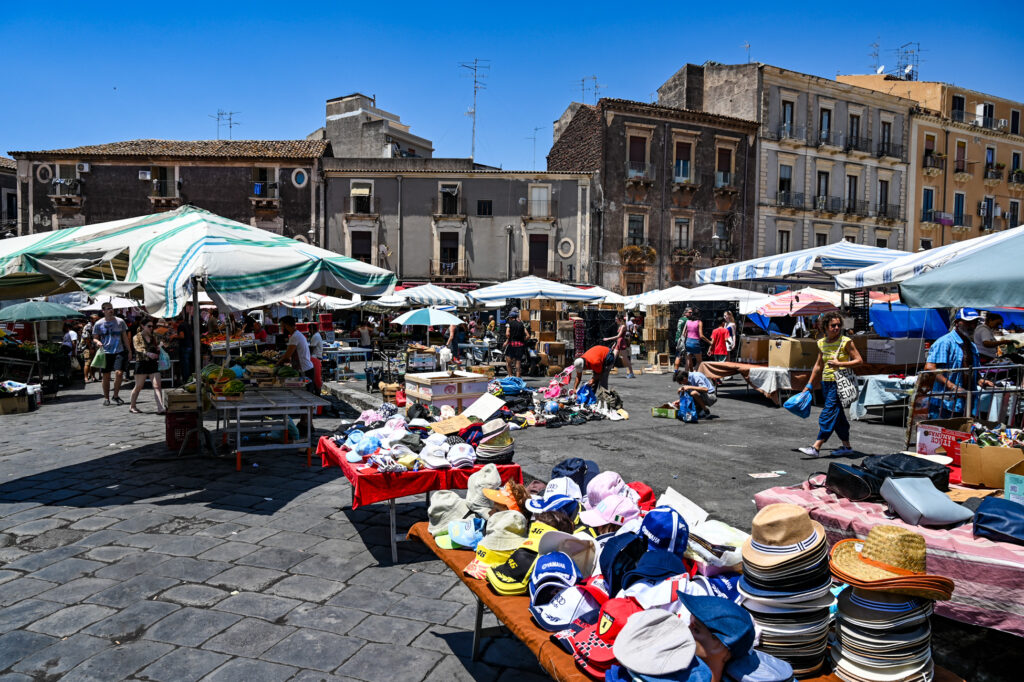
x=430, y=317
x=799, y=303
x=431, y=294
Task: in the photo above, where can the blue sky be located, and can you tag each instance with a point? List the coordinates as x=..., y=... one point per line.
x=87, y=73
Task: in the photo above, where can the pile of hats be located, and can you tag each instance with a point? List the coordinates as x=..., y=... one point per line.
x=496, y=444
x=882, y=626
x=786, y=585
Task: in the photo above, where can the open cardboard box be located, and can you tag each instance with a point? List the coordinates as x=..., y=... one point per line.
x=987, y=465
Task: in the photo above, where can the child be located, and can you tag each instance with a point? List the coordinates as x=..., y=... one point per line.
x=700, y=389
x=719, y=341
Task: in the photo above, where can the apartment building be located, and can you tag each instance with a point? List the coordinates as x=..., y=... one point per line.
x=673, y=189
x=356, y=127
x=966, y=152
x=831, y=157
x=8, y=197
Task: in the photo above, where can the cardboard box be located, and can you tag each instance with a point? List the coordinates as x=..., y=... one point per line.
x=987, y=465
x=547, y=337
x=548, y=315
x=754, y=350
x=14, y=404
x=792, y=353
x=934, y=435
x=1013, y=489
x=554, y=370
x=895, y=351
x=665, y=411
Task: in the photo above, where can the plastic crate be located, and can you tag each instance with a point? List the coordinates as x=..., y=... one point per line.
x=178, y=425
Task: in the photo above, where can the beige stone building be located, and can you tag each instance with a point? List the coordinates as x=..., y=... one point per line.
x=966, y=157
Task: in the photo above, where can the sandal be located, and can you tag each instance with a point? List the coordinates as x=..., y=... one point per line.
x=134, y=410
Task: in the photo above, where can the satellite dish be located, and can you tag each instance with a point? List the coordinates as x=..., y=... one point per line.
x=910, y=67
x=880, y=69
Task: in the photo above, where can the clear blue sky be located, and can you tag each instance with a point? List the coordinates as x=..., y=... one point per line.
x=79, y=75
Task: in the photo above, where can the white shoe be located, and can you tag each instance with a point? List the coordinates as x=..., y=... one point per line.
x=810, y=451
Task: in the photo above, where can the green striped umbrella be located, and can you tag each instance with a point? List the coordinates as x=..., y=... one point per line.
x=38, y=311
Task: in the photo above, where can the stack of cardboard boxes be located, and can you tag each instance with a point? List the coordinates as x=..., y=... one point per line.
x=544, y=320
x=657, y=337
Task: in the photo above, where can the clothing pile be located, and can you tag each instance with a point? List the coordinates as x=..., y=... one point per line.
x=786, y=585
x=882, y=627
x=1002, y=436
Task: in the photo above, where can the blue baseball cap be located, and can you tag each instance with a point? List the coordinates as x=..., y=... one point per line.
x=730, y=622
x=654, y=566
x=666, y=529
x=559, y=503
x=554, y=567
x=620, y=555
x=968, y=314
x=758, y=666
x=574, y=468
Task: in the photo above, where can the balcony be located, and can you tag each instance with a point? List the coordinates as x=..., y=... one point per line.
x=959, y=116
x=367, y=206
x=723, y=179
x=164, y=195
x=858, y=143
x=887, y=211
x=825, y=138
x=540, y=209
x=264, y=196
x=448, y=207
x=449, y=270
x=639, y=172
x=931, y=216
x=986, y=223
x=792, y=200
x=681, y=173
x=787, y=133
x=855, y=207
x=890, y=150
x=961, y=220
x=65, y=192
x=933, y=165
x=554, y=272
x=993, y=176
x=825, y=204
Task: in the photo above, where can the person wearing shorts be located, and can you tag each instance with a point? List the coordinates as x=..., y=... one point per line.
x=621, y=342
x=111, y=335
x=515, y=343
x=599, y=360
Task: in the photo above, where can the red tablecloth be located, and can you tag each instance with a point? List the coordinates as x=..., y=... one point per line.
x=989, y=576
x=369, y=486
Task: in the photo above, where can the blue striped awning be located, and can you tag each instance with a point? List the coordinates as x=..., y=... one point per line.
x=831, y=259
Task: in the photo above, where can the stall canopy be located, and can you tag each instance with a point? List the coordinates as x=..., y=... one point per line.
x=609, y=296
x=308, y=300
x=431, y=294
x=533, y=287
x=987, y=277
x=822, y=260
x=912, y=264
x=800, y=303
x=118, y=302
x=642, y=300
x=240, y=266
x=674, y=294
x=898, y=321
x=431, y=317
x=748, y=300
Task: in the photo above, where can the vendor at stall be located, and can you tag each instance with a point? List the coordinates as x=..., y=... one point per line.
x=316, y=355
x=955, y=350
x=985, y=339
x=599, y=360
x=297, y=355
x=515, y=343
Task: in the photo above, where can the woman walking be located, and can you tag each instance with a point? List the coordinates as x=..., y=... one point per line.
x=834, y=351
x=730, y=324
x=621, y=345
x=148, y=349
x=694, y=335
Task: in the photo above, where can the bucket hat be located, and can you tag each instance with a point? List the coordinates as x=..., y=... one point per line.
x=781, y=533
x=487, y=477
x=890, y=559
x=727, y=620
x=506, y=530
x=757, y=666
x=445, y=507
x=614, y=509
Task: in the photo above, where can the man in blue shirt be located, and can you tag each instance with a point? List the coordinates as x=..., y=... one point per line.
x=955, y=350
x=111, y=335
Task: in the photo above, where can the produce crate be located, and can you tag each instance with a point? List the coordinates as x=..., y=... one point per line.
x=14, y=404
x=179, y=400
x=177, y=425
x=665, y=411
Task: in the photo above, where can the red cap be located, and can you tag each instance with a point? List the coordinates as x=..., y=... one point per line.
x=646, y=493
x=595, y=642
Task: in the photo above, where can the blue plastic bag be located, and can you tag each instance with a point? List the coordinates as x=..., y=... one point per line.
x=585, y=395
x=687, y=411
x=799, y=404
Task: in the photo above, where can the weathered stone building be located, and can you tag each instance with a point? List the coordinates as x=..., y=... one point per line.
x=673, y=189
x=272, y=184
x=8, y=197
x=355, y=127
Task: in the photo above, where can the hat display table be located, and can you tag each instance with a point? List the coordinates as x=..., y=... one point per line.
x=369, y=485
x=989, y=576
x=514, y=615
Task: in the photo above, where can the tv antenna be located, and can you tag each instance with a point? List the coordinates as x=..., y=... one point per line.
x=479, y=68
x=534, y=138
x=597, y=88
x=225, y=118
x=875, y=66
x=746, y=46
x=908, y=61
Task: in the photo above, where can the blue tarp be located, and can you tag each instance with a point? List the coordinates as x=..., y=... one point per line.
x=897, y=321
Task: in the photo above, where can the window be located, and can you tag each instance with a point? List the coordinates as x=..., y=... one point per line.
x=540, y=201
x=362, y=245
x=850, y=238
x=448, y=250
x=723, y=167
x=926, y=244
x=787, y=119
x=785, y=179
x=986, y=112
x=821, y=238
x=960, y=163
x=11, y=206
x=635, y=230
x=851, y=194
x=882, y=242
x=484, y=207
x=927, y=202
x=959, y=201
x=450, y=199
x=299, y=178
x=720, y=237
x=164, y=185
x=782, y=241
x=682, y=167
x=682, y=233
x=538, y=262
x=1014, y=122
x=883, y=195
x=823, y=183
x=990, y=157
x=824, y=125
x=361, y=194
x=264, y=183
x=1015, y=161
x=1012, y=214
x=957, y=108
x=886, y=134
x=853, y=136
x=987, y=211
x=929, y=144
x=637, y=156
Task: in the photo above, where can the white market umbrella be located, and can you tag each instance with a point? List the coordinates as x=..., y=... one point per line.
x=530, y=287
x=748, y=301
x=431, y=294
x=643, y=300
x=430, y=317
x=609, y=296
x=118, y=302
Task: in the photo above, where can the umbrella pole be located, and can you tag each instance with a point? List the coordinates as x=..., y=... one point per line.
x=196, y=354
x=35, y=333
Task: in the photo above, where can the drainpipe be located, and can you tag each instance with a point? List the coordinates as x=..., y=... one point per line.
x=661, y=236
x=401, y=234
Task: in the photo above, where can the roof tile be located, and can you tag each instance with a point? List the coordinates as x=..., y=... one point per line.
x=245, y=149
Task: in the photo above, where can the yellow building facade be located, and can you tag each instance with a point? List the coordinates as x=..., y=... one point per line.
x=966, y=159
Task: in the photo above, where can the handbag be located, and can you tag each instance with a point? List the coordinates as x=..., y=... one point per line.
x=100, y=360
x=851, y=482
x=899, y=465
x=1000, y=519
x=846, y=386
x=918, y=502
x=75, y=364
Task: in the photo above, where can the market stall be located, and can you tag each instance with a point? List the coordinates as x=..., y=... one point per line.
x=251, y=416
x=819, y=264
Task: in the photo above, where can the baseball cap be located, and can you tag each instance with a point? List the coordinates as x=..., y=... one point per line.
x=462, y=534
x=615, y=509
x=563, y=485
x=968, y=314
x=433, y=460
x=562, y=503
x=602, y=635
x=574, y=468
x=514, y=312
x=566, y=605
x=655, y=642
x=502, y=495
x=727, y=620
x=553, y=567
x=537, y=531
x=619, y=555
x=655, y=565
x=512, y=577
x=665, y=528
x=462, y=456
x=485, y=558
x=644, y=495
x=582, y=550
x=601, y=486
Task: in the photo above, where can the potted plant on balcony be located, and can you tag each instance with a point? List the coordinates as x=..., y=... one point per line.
x=634, y=254
x=999, y=166
x=682, y=256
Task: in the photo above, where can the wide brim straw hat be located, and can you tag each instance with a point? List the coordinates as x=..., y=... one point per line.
x=891, y=559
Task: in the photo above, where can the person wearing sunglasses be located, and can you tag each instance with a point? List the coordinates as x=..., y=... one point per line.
x=147, y=348
x=111, y=335
x=835, y=350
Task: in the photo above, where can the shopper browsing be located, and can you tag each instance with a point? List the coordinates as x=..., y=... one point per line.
x=720, y=341
x=834, y=351
x=689, y=334
x=111, y=335
x=599, y=360
x=620, y=345
x=699, y=387
x=147, y=350
x=515, y=343
x=316, y=355
x=297, y=354
x=985, y=339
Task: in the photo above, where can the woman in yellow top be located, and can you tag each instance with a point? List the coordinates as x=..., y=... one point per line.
x=834, y=351
x=147, y=350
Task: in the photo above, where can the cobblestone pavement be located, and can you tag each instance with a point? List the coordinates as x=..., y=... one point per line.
x=190, y=570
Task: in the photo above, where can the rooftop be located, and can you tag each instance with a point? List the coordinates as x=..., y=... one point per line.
x=613, y=102
x=8, y=164
x=224, y=149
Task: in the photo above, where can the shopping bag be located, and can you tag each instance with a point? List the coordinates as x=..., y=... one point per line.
x=164, y=362
x=75, y=364
x=400, y=399
x=687, y=411
x=799, y=404
x=585, y=395
x=846, y=386
x=100, y=361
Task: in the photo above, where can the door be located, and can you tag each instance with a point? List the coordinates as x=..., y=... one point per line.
x=854, y=134
x=787, y=119
x=448, y=250
x=538, y=264
x=958, y=208
x=362, y=246
x=927, y=203
x=637, y=156
x=960, y=165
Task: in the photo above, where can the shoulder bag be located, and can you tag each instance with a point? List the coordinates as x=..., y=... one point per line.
x=846, y=386
x=1000, y=519
x=899, y=465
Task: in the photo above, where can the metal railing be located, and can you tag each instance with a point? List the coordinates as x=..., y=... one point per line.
x=825, y=137
x=681, y=172
x=553, y=272
x=790, y=199
x=1002, y=401
x=1016, y=176
x=890, y=211
x=723, y=179
x=962, y=220
x=890, y=149
x=929, y=215
x=786, y=131
x=828, y=204
x=858, y=143
x=262, y=189
x=959, y=116
x=362, y=205
x=639, y=170
x=447, y=205
x=993, y=173
x=65, y=187
x=855, y=207
x=932, y=161
x=540, y=208
x=164, y=188
x=986, y=222
x=961, y=166
x=1012, y=219
x=449, y=268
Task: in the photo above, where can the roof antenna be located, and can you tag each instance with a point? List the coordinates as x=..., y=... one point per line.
x=746, y=46
x=224, y=118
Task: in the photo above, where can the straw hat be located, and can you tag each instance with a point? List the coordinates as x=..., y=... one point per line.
x=892, y=559
x=781, y=533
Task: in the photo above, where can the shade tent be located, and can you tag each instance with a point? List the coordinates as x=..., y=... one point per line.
x=430, y=317
x=307, y=300
x=913, y=264
x=38, y=311
x=431, y=294
x=645, y=299
x=533, y=287
x=824, y=260
x=609, y=296
x=897, y=321
x=748, y=301
x=240, y=266
x=118, y=302
x=800, y=303
x=988, y=277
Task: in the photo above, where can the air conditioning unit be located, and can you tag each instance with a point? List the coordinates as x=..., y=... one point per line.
x=145, y=175
x=1003, y=124
x=975, y=122
x=82, y=168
